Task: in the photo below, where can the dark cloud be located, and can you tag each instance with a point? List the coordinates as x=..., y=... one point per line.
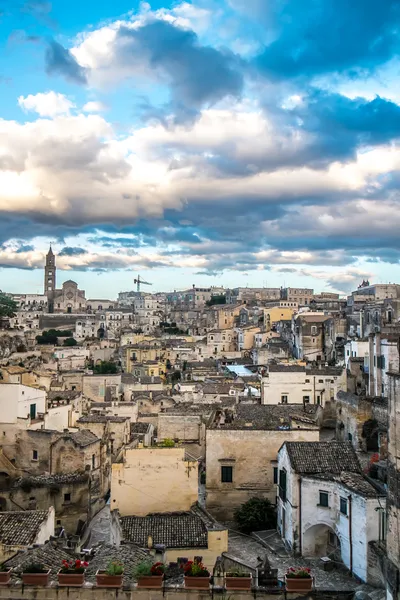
x=329, y=36
x=25, y=248
x=60, y=61
x=72, y=251
x=197, y=75
x=341, y=125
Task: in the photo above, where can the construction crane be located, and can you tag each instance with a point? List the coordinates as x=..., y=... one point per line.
x=140, y=282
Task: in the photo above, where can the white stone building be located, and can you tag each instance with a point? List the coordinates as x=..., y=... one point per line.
x=297, y=384
x=326, y=507
x=355, y=349
x=21, y=404
x=383, y=356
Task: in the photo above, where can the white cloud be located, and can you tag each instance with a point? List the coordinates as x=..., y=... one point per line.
x=48, y=104
x=94, y=107
x=75, y=167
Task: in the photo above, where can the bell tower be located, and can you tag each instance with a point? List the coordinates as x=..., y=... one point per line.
x=50, y=279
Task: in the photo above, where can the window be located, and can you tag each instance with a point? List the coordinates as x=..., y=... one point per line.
x=350, y=437
x=324, y=499
x=318, y=399
x=93, y=461
x=320, y=381
x=314, y=330
x=306, y=399
x=343, y=506
x=226, y=474
x=282, y=485
x=284, y=399
x=67, y=497
x=307, y=381
x=276, y=475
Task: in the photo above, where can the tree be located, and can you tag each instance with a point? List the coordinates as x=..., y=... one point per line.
x=47, y=339
x=175, y=376
x=70, y=342
x=105, y=367
x=58, y=333
x=256, y=514
x=217, y=299
x=8, y=306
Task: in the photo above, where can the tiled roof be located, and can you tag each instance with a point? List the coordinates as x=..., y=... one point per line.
x=174, y=530
x=48, y=480
x=322, y=457
x=63, y=395
x=102, y=419
x=271, y=417
x=84, y=437
x=139, y=427
x=20, y=528
x=50, y=555
x=215, y=389
x=286, y=369
x=356, y=482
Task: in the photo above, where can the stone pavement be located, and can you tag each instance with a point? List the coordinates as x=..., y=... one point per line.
x=248, y=549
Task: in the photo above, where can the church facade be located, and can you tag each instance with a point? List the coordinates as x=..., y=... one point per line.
x=68, y=299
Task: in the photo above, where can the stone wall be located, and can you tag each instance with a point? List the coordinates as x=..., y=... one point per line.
x=153, y=480
x=181, y=427
x=16, y=592
x=252, y=454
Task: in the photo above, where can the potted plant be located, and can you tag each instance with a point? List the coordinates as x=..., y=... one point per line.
x=197, y=577
x=298, y=579
x=5, y=575
x=238, y=579
x=35, y=574
x=149, y=575
x=112, y=576
x=72, y=573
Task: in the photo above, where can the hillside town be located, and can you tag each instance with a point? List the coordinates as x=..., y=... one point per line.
x=242, y=434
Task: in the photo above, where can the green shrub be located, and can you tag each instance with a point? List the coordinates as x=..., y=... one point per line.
x=255, y=515
x=115, y=568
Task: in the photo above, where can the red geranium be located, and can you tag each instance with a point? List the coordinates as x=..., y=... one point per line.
x=158, y=568
x=74, y=566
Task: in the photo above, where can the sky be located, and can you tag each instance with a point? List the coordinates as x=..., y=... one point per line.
x=212, y=142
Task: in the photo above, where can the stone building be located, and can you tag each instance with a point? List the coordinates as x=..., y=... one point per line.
x=151, y=480
x=21, y=529
x=393, y=485
x=69, y=495
x=383, y=356
x=43, y=451
x=188, y=533
x=242, y=448
x=114, y=431
x=362, y=420
x=69, y=299
x=326, y=506
x=290, y=384
x=309, y=336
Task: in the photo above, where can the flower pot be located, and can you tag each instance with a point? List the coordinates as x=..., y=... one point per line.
x=5, y=577
x=71, y=579
x=238, y=583
x=150, y=581
x=108, y=581
x=37, y=579
x=197, y=583
x=298, y=584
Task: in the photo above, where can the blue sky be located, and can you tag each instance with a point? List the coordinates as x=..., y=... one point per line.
x=212, y=142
